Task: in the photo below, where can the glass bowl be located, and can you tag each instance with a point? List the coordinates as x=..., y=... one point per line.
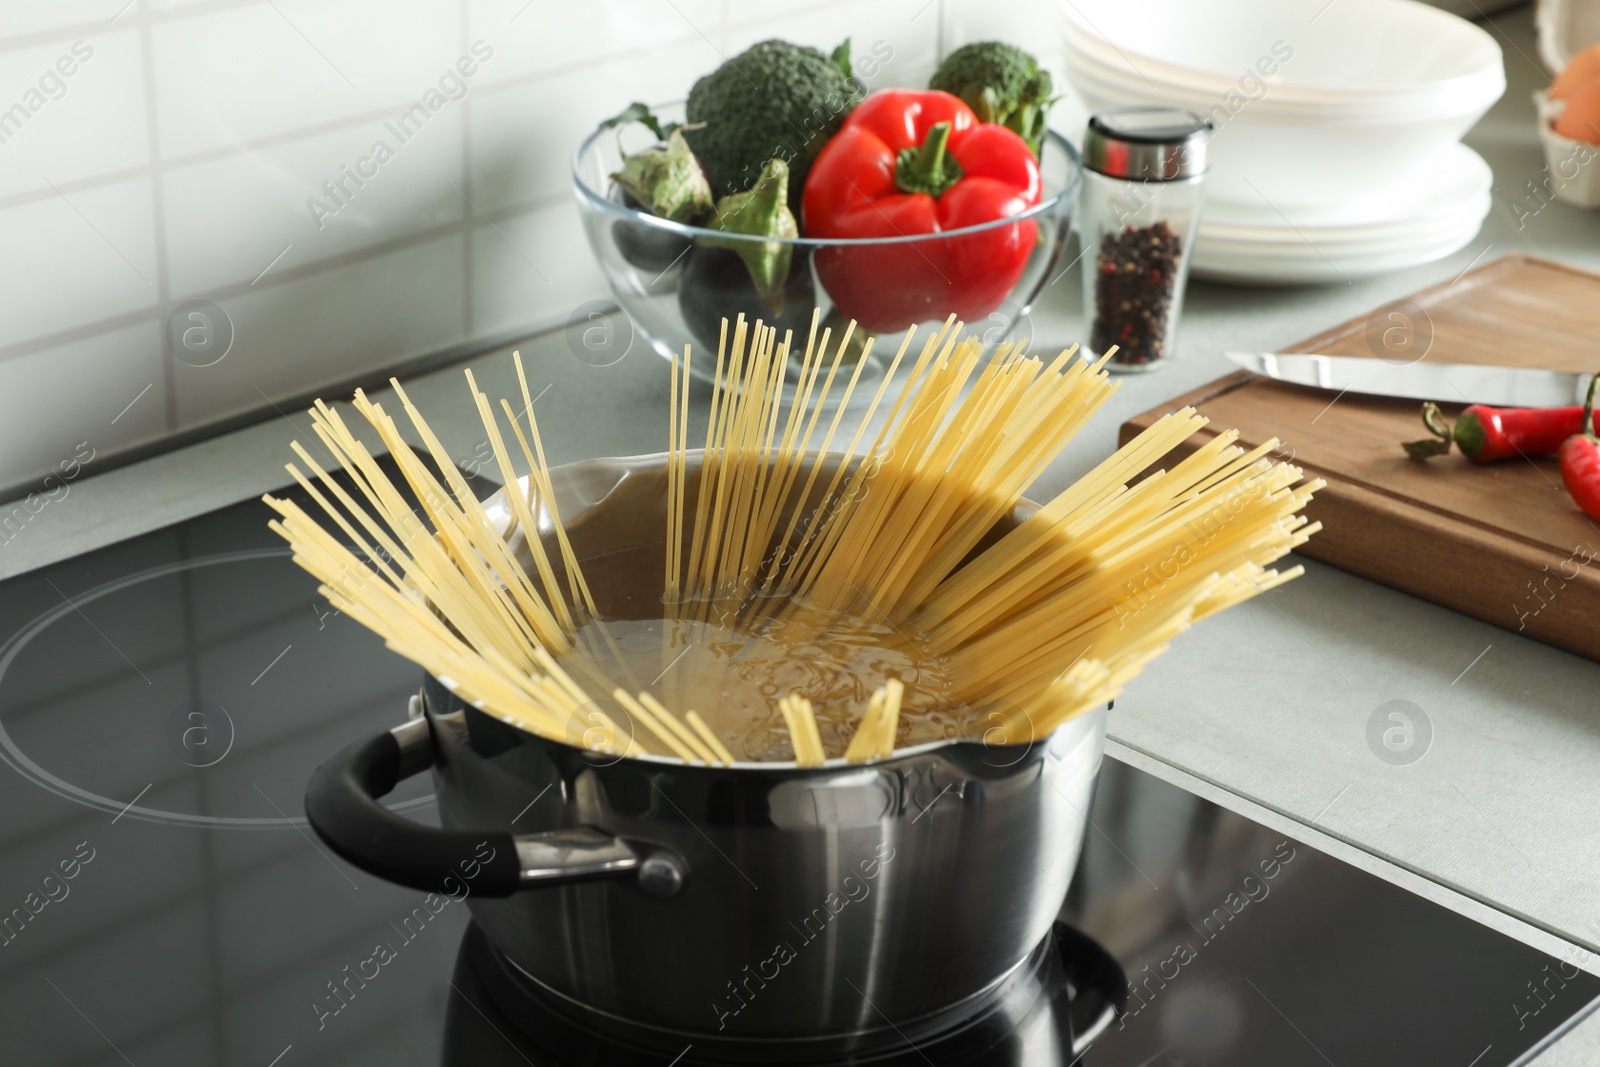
x=676, y=289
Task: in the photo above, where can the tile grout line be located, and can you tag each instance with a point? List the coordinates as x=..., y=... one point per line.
x=120, y=20
x=44, y=342
x=158, y=213
x=468, y=310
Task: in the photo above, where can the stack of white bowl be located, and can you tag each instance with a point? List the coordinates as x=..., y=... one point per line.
x=1337, y=146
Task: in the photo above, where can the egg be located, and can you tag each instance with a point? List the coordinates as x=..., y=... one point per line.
x=1580, y=70
x=1580, y=118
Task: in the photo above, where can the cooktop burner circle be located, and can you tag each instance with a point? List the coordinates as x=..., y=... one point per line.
x=198, y=732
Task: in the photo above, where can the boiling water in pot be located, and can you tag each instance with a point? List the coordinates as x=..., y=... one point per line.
x=734, y=678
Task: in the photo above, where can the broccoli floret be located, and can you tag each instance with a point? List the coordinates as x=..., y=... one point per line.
x=776, y=100
x=1001, y=83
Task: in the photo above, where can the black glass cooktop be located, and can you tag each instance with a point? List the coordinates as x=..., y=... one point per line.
x=163, y=902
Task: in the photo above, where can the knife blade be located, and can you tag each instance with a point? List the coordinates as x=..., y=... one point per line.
x=1446, y=383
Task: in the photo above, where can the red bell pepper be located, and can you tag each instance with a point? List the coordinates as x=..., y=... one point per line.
x=1486, y=434
x=910, y=162
x=1580, y=460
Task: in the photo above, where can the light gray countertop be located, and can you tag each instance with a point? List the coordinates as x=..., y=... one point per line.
x=1269, y=704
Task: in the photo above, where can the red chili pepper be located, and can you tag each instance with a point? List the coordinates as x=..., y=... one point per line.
x=911, y=162
x=1580, y=460
x=1485, y=434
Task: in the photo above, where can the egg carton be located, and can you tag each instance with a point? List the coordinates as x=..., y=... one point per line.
x=1565, y=27
x=1571, y=167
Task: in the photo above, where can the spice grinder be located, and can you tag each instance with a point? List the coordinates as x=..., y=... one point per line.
x=1144, y=176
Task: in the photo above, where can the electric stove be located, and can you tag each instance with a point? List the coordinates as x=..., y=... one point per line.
x=163, y=902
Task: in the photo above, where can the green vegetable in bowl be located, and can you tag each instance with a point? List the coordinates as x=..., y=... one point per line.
x=667, y=181
x=664, y=180
x=775, y=100
x=766, y=280
x=761, y=212
x=716, y=285
x=1002, y=83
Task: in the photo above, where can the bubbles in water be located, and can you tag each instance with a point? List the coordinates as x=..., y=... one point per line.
x=734, y=678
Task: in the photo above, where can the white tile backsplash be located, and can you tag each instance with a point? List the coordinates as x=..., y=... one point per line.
x=329, y=325
x=907, y=28
x=189, y=156
x=531, y=267
x=73, y=257
x=227, y=219
x=73, y=125
x=554, y=35
x=174, y=5
x=32, y=16
x=522, y=147
x=262, y=70
x=106, y=390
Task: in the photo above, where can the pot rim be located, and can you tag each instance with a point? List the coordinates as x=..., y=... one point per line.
x=790, y=768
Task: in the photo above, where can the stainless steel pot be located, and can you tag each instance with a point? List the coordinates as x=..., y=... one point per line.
x=810, y=911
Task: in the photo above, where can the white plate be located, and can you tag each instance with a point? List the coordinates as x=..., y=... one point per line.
x=1340, y=258
x=1300, y=164
x=1315, y=249
x=1358, y=49
x=1115, y=72
x=1355, y=240
x=1456, y=178
x=1328, y=266
x=1114, y=79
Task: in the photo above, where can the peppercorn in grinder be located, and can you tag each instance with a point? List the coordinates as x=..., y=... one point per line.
x=1144, y=171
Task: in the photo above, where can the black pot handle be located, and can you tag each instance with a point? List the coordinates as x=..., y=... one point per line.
x=342, y=806
x=1099, y=985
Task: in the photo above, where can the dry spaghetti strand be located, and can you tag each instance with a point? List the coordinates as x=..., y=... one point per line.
x=812, y=518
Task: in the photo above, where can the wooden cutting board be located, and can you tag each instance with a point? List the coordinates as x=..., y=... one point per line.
x=1502, y=542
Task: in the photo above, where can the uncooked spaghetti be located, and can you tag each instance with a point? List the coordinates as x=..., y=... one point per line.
x=833, y=586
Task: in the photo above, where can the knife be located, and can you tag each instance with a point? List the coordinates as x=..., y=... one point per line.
x=1446, y=383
